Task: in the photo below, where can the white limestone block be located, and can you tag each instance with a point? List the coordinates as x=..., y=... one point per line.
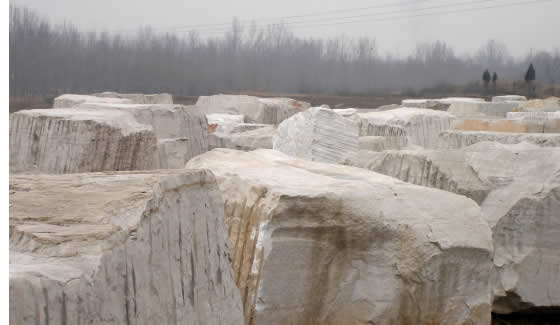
x=453, y=139
x=74, y=140
x=482, y=109
x=318, y=243
x=256, y=110
x=317, y=134
x=246, y=140
x=518, y=189
x=140, y=98
x=420, y=126
x=120, y=248
x=508, y=98
x=72, y=100
x=96, y=137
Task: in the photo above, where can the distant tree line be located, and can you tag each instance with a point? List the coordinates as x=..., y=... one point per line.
x=47, y=60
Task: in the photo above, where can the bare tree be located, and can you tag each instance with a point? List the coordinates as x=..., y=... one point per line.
x=46, y=60
x=493, y=54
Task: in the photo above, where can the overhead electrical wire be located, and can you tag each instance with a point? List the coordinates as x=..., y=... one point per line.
x=375, y=14
x=283, y=18
x=290, y=25
x=214, y=29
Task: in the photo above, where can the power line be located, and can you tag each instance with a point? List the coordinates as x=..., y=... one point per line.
x=362, y=15
x=329, y=12
x=210, y=32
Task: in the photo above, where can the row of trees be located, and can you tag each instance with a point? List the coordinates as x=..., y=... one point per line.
x=48, y=59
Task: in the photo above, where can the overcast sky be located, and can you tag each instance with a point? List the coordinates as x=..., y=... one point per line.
x=534, y=24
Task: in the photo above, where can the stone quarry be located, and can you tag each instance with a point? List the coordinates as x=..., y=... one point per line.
x=131, y=209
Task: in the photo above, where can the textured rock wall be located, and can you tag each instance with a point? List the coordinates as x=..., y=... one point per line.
x=71, y=100
x=518, y=125
x=120, y=248
x=97, y=137
x=460, y=139
x=441, y=104
x=167, y=121
x=259, y=138
x=276, y=110
x=256, y=110
x=381, y=143
x=482, y=109
x=317, y=243
x=317, y=134
x=139, y=98
x=420, y=126
x=443, y=170
x=67, y=141
x=518, y=189
x=550, y=104
x=508, y=98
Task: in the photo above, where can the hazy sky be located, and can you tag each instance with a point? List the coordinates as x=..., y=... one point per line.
x=534, y=24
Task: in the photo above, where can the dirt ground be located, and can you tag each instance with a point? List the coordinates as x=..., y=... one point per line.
x=316, y=100
x=334, y=101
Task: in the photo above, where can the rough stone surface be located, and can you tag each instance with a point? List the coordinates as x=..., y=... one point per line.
x=97, y=137
x=257, y=138
x=140, y=98
x=538, y=121
x=446, y=170
x=173, y=153
x=256, y=110
x=438, y=104
x=482, y=109
x=345, y=111
x=424, y=103
x=386, y=107
x=378, y=143
x=71, y=100
x=167, y=121
x=224, y=119
x=537, y=115
x=317, y=243
x=317, y=134
x=517, y=124
x=458, y=139
x=182, y=131
x=518, y=188
x=241, y=127
x=451, y=100
x=71, y=141
x=508, y=98
x=550, y=104
x=120, y=248
x=420, y=126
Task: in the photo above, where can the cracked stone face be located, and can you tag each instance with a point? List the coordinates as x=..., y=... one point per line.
x=120, y=248
x=518, y=189
x=317, y=243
